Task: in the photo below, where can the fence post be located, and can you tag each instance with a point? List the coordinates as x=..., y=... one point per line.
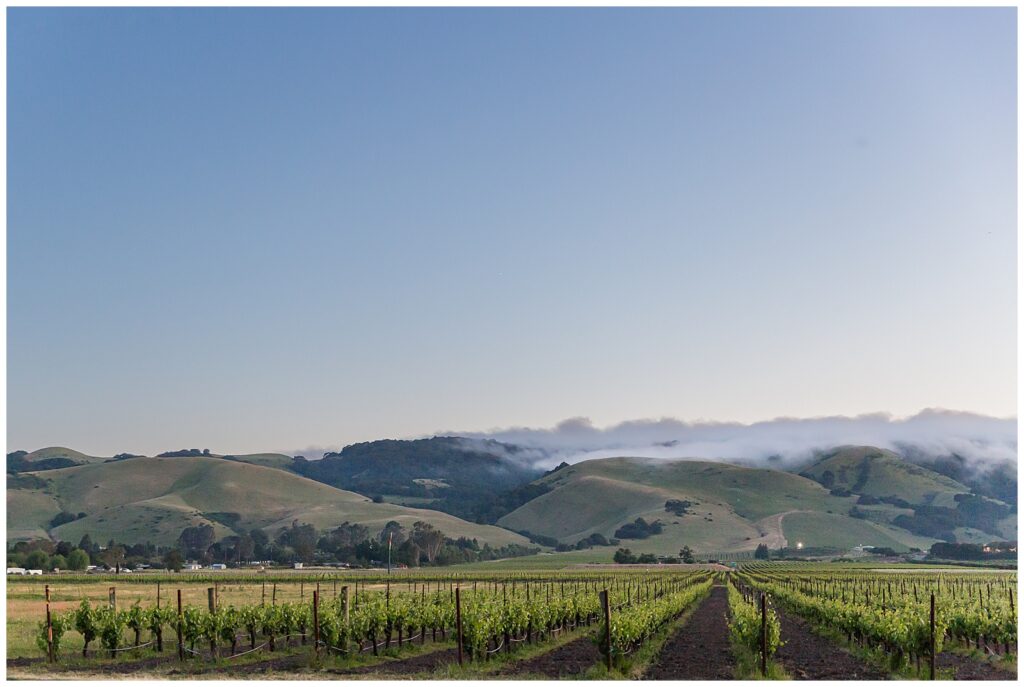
x=112, y=597
x=458, y=623
x=273, y=595
x=931, y=658
x=158, y=594
x=764, y=635
x=316, y=622
x=49, y=629
x=181, y=645
x=210, y=600
x=263, y=598
x=345, y=601
x=607, y=629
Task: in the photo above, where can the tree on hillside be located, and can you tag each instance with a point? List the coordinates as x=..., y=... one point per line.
x=686, y=555
x=58, y=562
x=761, y=552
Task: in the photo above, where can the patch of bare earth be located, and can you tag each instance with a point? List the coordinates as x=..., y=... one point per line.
x=700, y=650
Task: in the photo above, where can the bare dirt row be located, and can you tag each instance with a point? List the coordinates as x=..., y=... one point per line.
x=700, y=650
x=809, y=656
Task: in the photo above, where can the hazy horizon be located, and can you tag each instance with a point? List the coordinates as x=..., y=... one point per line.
x=252, y=229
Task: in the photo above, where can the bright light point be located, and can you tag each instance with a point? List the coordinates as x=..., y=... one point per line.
x=799, y=545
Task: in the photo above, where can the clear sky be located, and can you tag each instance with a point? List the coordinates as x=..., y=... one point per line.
x=265, y=229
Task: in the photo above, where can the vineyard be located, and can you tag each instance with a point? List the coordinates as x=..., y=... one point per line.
x=757, y=620
x=903, y=617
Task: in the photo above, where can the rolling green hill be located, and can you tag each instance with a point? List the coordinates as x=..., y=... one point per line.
x=49, y=458
x=153, y=499
x=878, y=472
x=732, y=508
x=62, y=452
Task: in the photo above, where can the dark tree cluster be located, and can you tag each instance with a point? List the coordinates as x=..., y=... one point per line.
x=677, y=507
x=65, y=517
x=638, y=529
x=626, y=557
x=16, y=462
x=595, y=539
x=184, y=453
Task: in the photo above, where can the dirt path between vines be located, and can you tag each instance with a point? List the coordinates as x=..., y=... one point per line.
x=967, y=668
x=421, y=663
x=700, y=650
x=809, y=656
x=569, y=660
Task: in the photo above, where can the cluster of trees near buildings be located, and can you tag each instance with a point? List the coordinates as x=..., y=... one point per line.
x=349, y=543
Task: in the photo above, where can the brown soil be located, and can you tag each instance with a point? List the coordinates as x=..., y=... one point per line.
x=421, y=663
x=569, y=660
x=967, y=668
x=701, y=649
x=126, y=666
x=809, y=656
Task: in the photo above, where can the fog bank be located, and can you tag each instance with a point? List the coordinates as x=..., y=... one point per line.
x=984, y=441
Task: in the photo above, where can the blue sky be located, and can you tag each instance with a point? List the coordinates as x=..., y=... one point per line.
x=265, y=229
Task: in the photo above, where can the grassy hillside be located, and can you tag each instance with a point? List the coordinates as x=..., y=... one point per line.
x=153, y=499
x=29, y=512
x=878, y=472
x=828, y=529
x=267, y=460
x=732, y=507
x=62, y=452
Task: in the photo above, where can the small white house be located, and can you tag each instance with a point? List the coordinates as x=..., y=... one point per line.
x=35, y=572
x=297, y=566
x=218, y=566
x=192, y=566
x=16, y=571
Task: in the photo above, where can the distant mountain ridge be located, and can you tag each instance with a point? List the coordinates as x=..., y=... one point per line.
x=459, y=476
x=850, y=494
